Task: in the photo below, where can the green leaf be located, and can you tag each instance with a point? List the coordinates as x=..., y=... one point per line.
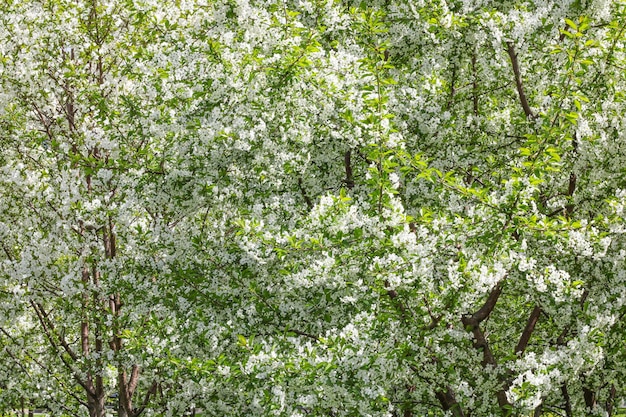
x=571, y=24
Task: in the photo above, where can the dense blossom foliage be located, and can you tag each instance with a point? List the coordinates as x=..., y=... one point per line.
x=313, y=207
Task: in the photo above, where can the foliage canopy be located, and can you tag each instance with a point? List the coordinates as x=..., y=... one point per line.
x=313, y=207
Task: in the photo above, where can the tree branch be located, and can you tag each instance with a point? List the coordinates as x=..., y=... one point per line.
x=569, y=208
x=528, y=330
x=452, y=87
x=480, y=341
x=610, y=401
x=590, y=398
x=48, y=327
x=151, y=391
x=484, y=312
x=134, y=380
x=448, y=402
x=393, y=295
x=474, y=85
x=518, y=81
x=301, y=333
x=307, y=199
x=347, y=161
x=568, y=402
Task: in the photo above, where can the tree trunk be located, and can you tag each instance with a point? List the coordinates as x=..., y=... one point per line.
x=590, y=398
x=448, y=402
x=610, y=402
x=97, y=406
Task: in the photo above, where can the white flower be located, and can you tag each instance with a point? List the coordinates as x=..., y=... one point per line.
x=395, y=180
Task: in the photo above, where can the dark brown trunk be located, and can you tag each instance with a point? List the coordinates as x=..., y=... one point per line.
x=472, y=323
x=610, y=402
x=528, y=331
x=568, y=403
x=448, y=402
x=96, y=405
x=347, y=161
x=126, y=388
x=590, y=398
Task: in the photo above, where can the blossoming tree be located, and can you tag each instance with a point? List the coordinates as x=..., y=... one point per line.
x=324, y=208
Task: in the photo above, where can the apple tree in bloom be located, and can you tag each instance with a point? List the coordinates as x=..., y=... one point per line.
x=79, y=322
x=313, y=208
